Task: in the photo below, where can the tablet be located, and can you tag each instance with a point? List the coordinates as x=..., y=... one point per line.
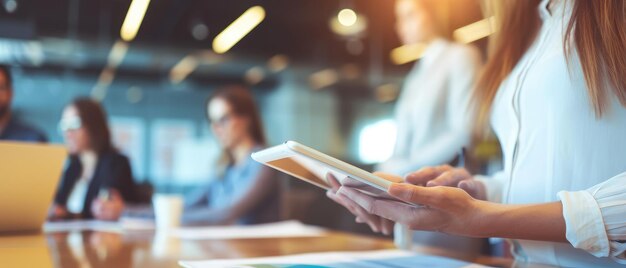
x=312, y=166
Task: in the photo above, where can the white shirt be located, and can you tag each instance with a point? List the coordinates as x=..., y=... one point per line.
x=553, y=143
x=76, y=199
x=432, y=112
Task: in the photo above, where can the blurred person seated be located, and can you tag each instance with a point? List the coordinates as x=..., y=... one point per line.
x=10, y=127
x=242, y=191
x=98, y=180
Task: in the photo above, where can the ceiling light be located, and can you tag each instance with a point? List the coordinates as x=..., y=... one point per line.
x=254, y=75
x=117, y=54
x=200, y=31
x=347, y=17
x=347, y=26
x=10, y=6
x=183, y=68
x=115, y=58
x=134, y=17
x=323, y=79
x=407, y=53
x=238, y=29
x=278, y=63
x=475, y=31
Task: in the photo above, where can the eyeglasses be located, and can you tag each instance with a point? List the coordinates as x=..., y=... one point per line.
x=69, y=124
x=221, y=121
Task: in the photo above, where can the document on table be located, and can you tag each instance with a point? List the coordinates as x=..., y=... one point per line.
x=269, y=230
x=124, y=224
x=363, y=259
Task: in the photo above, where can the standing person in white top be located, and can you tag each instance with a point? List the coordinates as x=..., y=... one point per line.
x=555, y=89
x=431, y=114
x=432, y=110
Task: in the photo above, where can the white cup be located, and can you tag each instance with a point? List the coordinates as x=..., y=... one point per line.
x=402, y=236
x=168, y=210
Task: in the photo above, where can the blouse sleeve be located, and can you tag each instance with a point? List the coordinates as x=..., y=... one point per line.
x=595, y=218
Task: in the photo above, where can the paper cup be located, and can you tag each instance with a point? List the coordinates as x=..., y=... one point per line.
x=402, y=236
x=167, y=210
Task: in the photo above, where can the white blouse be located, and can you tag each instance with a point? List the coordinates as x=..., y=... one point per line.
x=432, y=112
x=556, y=148
x=76, y=199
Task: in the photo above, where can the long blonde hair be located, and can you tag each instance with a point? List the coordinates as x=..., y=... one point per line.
x=596, y=30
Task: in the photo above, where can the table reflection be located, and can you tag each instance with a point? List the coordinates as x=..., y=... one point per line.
x=90, y=249
x=153, y=249
x=26, y=250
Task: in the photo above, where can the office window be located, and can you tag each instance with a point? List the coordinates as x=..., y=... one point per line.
x=376, y=141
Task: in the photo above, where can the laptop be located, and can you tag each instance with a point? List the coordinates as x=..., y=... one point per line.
x=29, y=175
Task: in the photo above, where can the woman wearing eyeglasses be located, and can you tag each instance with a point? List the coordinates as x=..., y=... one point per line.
x=242, y=191
x=98, y=180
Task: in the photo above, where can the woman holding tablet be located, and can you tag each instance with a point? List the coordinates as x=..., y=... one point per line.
x=242, y=190
x=555, y=90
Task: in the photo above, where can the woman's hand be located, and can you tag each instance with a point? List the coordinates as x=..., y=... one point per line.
x=108, y=209
x=376, y=223
x=57, y=212
x=448, y=176
x=443, y=209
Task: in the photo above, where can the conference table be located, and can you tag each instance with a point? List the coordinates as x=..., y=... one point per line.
x=145, y=248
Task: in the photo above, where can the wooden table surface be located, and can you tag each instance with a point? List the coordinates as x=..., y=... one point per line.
x=147, y=249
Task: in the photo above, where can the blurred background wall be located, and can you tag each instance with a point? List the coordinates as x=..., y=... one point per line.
x=325, y=73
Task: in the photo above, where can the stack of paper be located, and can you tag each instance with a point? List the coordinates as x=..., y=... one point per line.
x=269, y=230
x=363, y=259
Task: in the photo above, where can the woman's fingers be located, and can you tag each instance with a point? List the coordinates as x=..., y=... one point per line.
x=356, y=184
x=355, y=209
x=353, y=183
x=446, y=209
x=101, y=209
x=449, y=178
x=424, y=175
x=418, y=218
x=108, y=209
x=387, y=226
x=427, y=196
x=392, y=210
x=474, y=188
x=334, y=183
x=372, y=220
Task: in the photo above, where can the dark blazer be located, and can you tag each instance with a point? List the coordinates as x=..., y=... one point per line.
x=112, y=171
